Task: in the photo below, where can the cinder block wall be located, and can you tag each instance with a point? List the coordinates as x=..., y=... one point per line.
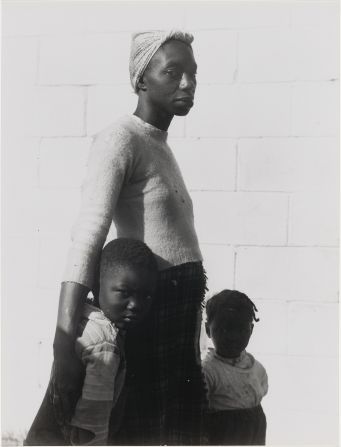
x=259, y=153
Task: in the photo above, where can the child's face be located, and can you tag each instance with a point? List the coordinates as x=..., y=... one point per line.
x=230, y=335
x=125, y=294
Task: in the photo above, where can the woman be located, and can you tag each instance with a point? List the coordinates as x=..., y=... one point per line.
x=134, y=180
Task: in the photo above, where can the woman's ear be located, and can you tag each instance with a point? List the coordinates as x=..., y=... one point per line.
x=208, y=331
x=141, y=85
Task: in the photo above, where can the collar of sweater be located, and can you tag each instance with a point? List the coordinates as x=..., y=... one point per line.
x=149, y=129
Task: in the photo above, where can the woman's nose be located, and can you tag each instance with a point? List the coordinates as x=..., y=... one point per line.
x=187, y=82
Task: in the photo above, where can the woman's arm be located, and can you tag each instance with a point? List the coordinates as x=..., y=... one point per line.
x=71, y=300
x=108, y=167
x=108, y=164
x=67, y=367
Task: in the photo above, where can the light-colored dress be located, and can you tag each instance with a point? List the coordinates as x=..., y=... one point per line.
x=236, y=388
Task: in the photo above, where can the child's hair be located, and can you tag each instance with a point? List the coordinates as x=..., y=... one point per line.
x=121, y=252
x=234, y=301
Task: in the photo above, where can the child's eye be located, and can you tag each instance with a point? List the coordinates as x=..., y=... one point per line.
x=125, y=293
x=145, y=296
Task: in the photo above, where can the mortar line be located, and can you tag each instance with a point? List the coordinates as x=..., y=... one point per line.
x=236, y=178
x=236, y=71
x=289, y=82
x=250, y=245
x=38, y=62
x=85, y=112
x=287, y=305
x=38, y=156
x=288, y=219
x=234, y=266
x=56, y=137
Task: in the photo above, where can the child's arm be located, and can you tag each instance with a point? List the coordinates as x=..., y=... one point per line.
x=90, y=423
x=209, y=379
x=264, y=382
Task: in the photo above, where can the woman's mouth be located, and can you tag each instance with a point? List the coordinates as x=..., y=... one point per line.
x=185, y=100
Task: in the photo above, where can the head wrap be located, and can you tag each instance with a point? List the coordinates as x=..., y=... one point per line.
x=145, y=44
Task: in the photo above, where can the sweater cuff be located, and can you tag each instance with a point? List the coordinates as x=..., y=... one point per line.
x=80, y=268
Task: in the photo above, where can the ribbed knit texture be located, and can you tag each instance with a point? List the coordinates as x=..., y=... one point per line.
x=134, y=180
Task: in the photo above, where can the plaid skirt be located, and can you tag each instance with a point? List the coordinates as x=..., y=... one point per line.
x=165, y=395
x=245, y=426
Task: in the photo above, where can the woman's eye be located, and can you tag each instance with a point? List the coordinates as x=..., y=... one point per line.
x=174, y=74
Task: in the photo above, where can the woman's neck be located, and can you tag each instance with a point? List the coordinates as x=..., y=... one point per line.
x=150, y=115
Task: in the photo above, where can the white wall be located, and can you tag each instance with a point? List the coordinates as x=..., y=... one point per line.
x=259, y=153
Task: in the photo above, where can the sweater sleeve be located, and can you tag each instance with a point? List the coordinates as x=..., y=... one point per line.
x=109, y=167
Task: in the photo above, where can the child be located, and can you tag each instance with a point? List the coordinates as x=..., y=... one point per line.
x=127, y=279
x=236, y=381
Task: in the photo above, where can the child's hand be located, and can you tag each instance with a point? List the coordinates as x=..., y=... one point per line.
x=80, y=436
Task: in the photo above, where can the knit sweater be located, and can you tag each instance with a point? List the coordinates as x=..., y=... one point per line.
x=133, y=180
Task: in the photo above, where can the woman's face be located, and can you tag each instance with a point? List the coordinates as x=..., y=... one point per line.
x=169, y=81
